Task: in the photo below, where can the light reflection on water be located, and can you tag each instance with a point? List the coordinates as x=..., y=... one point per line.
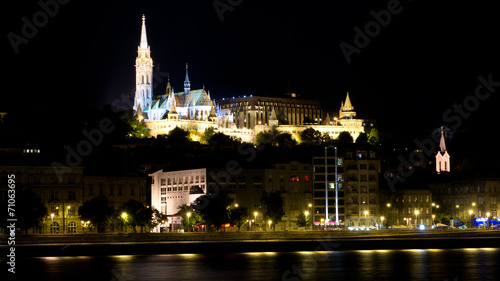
x=430, y=264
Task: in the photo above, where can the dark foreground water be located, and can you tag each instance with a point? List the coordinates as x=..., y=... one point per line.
x=429, y=264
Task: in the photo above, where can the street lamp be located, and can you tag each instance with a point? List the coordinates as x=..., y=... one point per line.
x=381, y=222
x=255, y=215
x=270, y=222
x=390, y=215
x=189, y=215
x=416, y=217
x=433, y=216
x=488, y=219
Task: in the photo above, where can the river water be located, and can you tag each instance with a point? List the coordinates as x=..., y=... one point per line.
x=428, y=264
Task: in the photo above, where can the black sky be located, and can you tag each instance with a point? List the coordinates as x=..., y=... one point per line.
x=425, y=60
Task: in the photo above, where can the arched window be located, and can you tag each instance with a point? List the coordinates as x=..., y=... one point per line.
x=54, y=228
x=72, y=227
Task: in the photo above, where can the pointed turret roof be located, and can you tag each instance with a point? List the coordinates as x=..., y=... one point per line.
x=173, y=108
x=273, y=115
x=187, y=76
x=347, y=104
x=442, y=144
x=144, y=38
x=327, y=119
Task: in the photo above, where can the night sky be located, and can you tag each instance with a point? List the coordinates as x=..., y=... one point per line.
x=426, y=58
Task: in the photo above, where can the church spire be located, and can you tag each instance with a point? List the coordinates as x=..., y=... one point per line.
x=187, y=84
x=144, y=38
x=442, y=144
x=143, y=72
x=442, y=156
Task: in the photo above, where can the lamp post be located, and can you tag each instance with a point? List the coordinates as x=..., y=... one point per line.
x=416, y=218
x=381, y=222
x=390, y=214
x=488, y=220
x=255, y=216
x=433, y=221
x=188, y=215
x=270, y=222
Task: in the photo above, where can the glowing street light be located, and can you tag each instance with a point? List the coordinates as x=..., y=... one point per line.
x=255, y=217
x=270, y=222
x=381, y=222
x=416, y=217
x=188, y=223
x=124, y=215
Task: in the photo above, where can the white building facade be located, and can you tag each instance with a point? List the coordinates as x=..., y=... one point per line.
x=169, y=190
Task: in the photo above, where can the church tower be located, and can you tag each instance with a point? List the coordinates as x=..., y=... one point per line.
x=187, y=84
x=442, y=156
x=143, y=72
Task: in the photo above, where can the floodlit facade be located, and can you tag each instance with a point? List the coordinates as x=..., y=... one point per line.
x=241, y=117
x=170, y=190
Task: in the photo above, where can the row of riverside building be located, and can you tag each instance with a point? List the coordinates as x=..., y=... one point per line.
x=363, y=197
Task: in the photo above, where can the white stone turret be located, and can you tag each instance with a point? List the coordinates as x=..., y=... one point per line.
x=346, y=109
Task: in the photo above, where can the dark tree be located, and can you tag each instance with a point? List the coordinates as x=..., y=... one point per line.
x=214, y=209
x=222, y=139
x=345, y=137
x=238, y=215
x=285, y=140
x=177, y=137
x=205, y=137
x=29, y=210
x=362, y=139
x=302, y=222
x=273, y=206
x=311, y=136
x=189, y=221
x=136, y=214
x=97, y=212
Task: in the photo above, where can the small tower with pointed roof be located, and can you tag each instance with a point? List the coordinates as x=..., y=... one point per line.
x=346, y=109
x=187, y=84
x=273, y=120
x=442, y=156
x=172, y=114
